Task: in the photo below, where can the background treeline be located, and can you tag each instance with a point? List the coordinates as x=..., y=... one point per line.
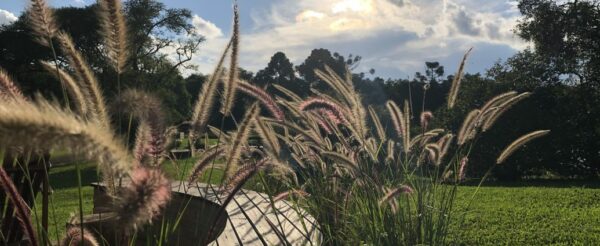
x=562, y=69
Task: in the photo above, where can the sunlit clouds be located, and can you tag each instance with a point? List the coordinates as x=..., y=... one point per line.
x=394, y=37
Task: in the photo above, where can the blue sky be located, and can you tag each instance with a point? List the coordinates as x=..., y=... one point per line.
x=395, y=37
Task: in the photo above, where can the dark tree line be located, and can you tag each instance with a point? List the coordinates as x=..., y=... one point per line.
x=562, y=71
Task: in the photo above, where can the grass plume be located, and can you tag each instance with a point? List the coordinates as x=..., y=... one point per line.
x=43, y=125
x=263, y=97
x=207, y=158
x=230, y=85
x=142, y=201
x=239, y=139
x=518, y=143
x=468, y=124
x=456, y=81
x=206, y=98
x=42, y=22
x=86, y=76
x=8, y=88
x=114, y=32
x=77, y=95
x=74, y=237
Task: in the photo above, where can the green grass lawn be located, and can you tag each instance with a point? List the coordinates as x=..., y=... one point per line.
x=538, y=213
x=523, y=213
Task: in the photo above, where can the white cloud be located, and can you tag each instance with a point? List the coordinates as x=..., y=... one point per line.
x=206, y=28
x=391, y=35
x=6, y=17
x=79, y=1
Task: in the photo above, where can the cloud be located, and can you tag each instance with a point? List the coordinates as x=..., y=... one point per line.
x=392, y=36
x=6, y=17
x=206, y=28
x=79, y=1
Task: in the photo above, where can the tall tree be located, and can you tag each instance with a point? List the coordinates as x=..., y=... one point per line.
x=565, y=35
x=280, y=71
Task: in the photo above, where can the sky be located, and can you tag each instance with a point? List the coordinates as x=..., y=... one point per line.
x=394, y=37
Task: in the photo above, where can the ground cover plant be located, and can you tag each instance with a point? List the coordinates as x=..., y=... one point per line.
x=329, y=152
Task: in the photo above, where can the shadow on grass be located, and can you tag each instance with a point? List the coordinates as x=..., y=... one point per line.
x=66, y=176
x=594, y=184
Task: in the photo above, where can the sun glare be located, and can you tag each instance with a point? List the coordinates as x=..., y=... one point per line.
x=364, y=6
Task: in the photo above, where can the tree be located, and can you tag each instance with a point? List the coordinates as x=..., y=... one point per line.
x=319, y=58
x=565, y=35
x=280, y=71
x=152, y=28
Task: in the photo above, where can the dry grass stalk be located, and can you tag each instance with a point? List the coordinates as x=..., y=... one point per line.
x=340, y=159
x=498, y=100
x=462, y=168
x=43, y=125
x=502, y=108
x=290, y=94
x=144, y=198
x=518, y=143
x=390, y=150
x=140, y=156
x=206, y=98
x=147, y=109
x=433, y=153
x=239, y=139
x=345, y=89
x=398, y=120
x=20, y=207
x=263, y=97
x=290, y=193
x=114, y=32
x=78, y=96
x=467, y=126
x=267, y=136
x=86, y=76
x=453, y=94
x=335, y=113
x=230, y=85
x=243, y=174
x=395, y=192
x=8, y=88
x=426, y=116
x=74, y=237
x=444, y=144
x=207, y=158
x=377, y=122
x=42, y=21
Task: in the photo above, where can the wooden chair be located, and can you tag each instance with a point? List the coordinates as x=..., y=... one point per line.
x=30, y=178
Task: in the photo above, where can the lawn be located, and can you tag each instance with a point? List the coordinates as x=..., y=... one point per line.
x=530, y=213
x=525, y=213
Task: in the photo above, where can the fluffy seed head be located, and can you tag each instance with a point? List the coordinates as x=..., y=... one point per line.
x=41, y=18
x=262, y=96
x=518, y=143
x=334, y=112
x=239, y=139
x=74, y=237
x=395, y=192
x=462, y=168
x=468, y=126
x=8, y=88
x=426, y=116
x=230, y=85
x=114, y=32
x=290, y=193
x=144, y=198
x=457, y=81
x=75, y=91
x=207, y=157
